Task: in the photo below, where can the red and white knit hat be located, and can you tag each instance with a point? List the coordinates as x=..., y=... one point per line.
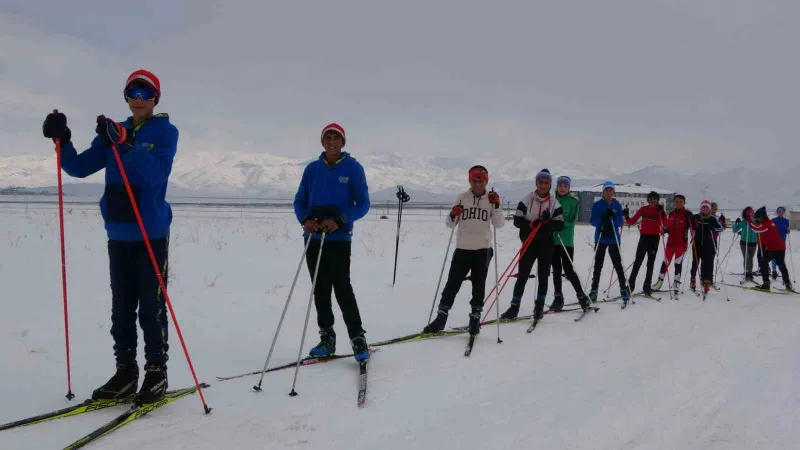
x=705, y=203
x=148, y=78
x=333, y=127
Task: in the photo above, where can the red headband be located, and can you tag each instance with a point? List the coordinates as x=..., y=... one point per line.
x=479, y=173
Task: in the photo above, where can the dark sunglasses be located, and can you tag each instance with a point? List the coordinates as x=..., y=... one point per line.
x=140, y=93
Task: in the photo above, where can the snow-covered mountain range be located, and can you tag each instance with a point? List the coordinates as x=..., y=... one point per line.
x=428, y=179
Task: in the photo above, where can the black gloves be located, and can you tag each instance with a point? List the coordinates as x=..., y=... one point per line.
x=55, y=127
x=114, y=133
x=545, y=216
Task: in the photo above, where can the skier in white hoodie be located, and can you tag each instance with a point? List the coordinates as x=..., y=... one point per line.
x=540, y=213
x=474, y=213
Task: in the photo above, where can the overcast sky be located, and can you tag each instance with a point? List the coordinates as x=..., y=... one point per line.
x=628, y=83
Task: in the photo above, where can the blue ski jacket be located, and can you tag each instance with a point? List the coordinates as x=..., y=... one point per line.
x=782, y=224
x=147, y=164
x=337, y=191
x=606, y=227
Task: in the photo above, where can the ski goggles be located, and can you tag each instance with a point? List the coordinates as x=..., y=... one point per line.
x=139, y=92
x=478, y=174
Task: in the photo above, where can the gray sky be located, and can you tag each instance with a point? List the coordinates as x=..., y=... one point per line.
x=627, y=83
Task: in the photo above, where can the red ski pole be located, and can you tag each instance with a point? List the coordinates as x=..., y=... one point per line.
x=613, y=281
x=510, y=264
x=519, y=255
x=69, y=395
x=163, y=285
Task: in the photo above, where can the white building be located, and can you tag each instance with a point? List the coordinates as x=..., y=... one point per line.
x=632, y=195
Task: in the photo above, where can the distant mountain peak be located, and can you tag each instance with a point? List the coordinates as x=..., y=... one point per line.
x=236, y=173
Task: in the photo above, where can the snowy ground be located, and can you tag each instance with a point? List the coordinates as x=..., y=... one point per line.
x=671, y=375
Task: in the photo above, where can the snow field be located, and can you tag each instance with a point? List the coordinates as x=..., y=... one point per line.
x=659, y=375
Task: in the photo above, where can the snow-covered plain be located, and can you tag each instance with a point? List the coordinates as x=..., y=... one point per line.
x=680, y=374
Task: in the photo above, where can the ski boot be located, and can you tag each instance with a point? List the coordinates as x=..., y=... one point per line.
x=538, y=309
x=657, y=286
x=749, y=278
x=360, y=348
x=122, y=384
x=706, y=286
x=438, y=323
x=327, y=344
x=154, y=385
x=677, y=287
x=558, y=302
x=593, y=296
x=648, y=291
x=789, y=287
x=584, y=301
x=513, y=310
x=475, y=321
x=625, y=293
x=774, y=274
x=693, y=285
x=763, y=287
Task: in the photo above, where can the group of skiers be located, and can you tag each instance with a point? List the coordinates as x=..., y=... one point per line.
x=546, y=224
x=137, y=155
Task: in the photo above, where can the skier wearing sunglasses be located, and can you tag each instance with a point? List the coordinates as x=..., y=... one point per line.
x=146, y=143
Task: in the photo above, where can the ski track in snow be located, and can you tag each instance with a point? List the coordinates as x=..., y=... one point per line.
x=668, y=375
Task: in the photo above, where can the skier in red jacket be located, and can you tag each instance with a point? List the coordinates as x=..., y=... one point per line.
x=653, y=217
x=773, y=247
x=677, y=228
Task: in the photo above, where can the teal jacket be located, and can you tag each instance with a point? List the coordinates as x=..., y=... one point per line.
x=748, y=235
x=569, y=206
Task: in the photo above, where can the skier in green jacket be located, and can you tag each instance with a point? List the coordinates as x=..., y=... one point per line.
x=748, y=243
x=564, y=242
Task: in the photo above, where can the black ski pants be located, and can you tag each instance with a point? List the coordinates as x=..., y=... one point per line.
x=780, y=260
x=616, y=261
x=334, y=276
x=704, y=255
x=134, y=285
x=647, y=246
x=562, y=256
x=750, y=250
x=543, y=253
x=462, y=263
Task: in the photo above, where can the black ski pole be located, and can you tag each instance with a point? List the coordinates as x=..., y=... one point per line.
x=402, y=197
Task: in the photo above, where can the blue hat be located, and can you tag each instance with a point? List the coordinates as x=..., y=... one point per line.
x=781, y=208
x=544, y=174
x=609, y=184
x=563, y=179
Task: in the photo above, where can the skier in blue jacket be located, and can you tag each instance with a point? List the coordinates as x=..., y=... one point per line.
x=783, y=225
x=607, y=218
x=147, y=144
x=333, y=194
